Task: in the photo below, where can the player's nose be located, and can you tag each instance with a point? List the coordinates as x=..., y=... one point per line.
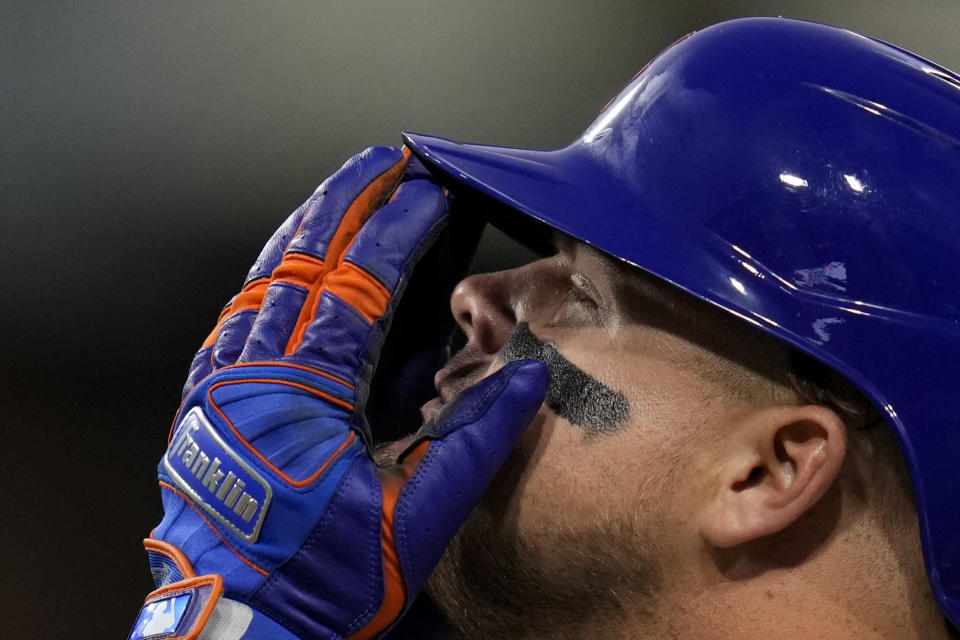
x=482, y=306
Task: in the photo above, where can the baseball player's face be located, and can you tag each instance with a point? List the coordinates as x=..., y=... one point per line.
x=609, y=465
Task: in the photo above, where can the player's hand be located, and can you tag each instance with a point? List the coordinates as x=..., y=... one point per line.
x=277, y=523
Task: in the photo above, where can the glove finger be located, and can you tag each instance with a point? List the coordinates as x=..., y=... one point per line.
x=330, y=221
x=200, y=368
x=273, y=251
x=225, y=342
x=273, y=325
x=447, y=468
x=232, y=335
x=356, y=299
x=346, y=199
x=311, y=230
x=255, y=285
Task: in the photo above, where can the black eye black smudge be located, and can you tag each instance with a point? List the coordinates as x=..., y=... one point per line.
x=573, y=394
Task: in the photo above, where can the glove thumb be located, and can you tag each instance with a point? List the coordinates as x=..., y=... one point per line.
x=453, y=459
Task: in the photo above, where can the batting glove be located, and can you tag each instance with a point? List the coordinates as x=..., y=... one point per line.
x=277, y=523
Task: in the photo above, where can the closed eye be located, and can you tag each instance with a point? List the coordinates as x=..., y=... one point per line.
x=579, y=306
x=583, y=289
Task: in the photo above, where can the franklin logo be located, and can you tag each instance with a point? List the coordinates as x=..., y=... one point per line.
x=216, y=477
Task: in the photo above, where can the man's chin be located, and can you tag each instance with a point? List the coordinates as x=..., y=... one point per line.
x=496, y=581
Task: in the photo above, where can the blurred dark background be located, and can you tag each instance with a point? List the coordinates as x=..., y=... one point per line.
x=147, y=150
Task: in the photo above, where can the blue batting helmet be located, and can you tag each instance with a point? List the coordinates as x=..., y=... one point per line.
x=804, y=178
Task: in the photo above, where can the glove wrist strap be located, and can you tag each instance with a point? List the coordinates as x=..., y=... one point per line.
x=195, y=609
x=178, y=611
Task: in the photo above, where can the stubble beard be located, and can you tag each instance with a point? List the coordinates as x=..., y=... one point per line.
x=496, y=581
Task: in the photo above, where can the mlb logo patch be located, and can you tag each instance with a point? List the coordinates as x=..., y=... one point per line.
x=178, y=611
x=218, y=479
x=160, y=619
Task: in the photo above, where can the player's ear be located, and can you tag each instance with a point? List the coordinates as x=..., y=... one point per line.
x=780, y=462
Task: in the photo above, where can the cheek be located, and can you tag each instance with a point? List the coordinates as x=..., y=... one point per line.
x=560, y=474
x=562, y=479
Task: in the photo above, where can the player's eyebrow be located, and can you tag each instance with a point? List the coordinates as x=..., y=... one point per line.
x=640, y=296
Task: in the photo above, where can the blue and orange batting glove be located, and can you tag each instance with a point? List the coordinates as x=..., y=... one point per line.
x=277, y=523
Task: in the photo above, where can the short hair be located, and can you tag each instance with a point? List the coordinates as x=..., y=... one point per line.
x=741, y=361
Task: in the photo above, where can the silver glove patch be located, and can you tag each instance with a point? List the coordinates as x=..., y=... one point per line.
x=216, y=477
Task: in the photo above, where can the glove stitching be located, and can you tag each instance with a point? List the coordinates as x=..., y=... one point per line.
x=210, y=402
x=375, y=559
x=477, y=410
x=274, y=577
x=487, y=399
x=286, y=364
x=232, y=319
x=429, y=238
x=312, y=480
x=417, y=252
x=189, y=503
x=400, y=530
x=340, y=211
x=318, y=531
x=196, y=367
x=174, y=517
x=317, y=355
x=233, y=436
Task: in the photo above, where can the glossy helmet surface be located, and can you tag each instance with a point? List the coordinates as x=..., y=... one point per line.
x=804, y=178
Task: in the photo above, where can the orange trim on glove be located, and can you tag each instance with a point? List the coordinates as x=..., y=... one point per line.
x=193, y=506
x=359, y=289
x=250, y=297
x=327, y=397
x=370, y=199
x=214, y=581
x=392, y=480
x=299, y=269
